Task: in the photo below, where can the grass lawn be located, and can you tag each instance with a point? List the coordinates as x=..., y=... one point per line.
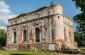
x=82, y=48
x=6, y=52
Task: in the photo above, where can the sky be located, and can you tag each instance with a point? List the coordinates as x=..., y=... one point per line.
x=12, y=8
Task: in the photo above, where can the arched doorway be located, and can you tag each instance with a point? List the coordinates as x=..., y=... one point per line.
x=37, y=33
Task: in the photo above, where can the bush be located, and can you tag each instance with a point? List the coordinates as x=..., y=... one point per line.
x=3, y=36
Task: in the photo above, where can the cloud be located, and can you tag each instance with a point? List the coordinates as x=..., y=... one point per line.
x=3, y=28
x=5, y=14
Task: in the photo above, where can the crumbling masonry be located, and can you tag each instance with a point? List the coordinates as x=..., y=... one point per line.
x=44, y=29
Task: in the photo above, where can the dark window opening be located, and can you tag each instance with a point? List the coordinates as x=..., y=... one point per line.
x=58, y=17
x=24, y=35
x=37, y=34
x=14, y=37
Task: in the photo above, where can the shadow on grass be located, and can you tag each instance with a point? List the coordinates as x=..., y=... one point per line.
x=20, y=54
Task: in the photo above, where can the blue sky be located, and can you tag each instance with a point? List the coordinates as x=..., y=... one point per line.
x=11, y=8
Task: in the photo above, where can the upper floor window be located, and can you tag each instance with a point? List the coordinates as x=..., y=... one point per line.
x=58, y=17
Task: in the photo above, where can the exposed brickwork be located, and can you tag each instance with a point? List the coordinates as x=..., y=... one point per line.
x=45, y=25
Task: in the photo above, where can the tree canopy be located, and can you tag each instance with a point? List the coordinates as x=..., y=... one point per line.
x=80, y=20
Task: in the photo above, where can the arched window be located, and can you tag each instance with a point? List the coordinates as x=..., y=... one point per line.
x=24, y=35
x=37, y=32
x=14, y=37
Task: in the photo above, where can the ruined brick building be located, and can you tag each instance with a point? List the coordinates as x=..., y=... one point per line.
x=43, y=29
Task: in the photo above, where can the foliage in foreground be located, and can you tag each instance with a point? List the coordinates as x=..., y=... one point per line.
x=80, y=20
x=3, y=36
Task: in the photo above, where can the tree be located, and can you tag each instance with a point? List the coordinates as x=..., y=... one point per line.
x=80, y=20
x=3, y=36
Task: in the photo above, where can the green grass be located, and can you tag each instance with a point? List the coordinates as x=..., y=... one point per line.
x=6, y=52
x=82, y=48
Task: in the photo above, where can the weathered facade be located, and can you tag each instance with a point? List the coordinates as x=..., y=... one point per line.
x=44, y=29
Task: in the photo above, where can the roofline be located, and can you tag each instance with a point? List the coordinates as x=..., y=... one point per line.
x=39, y=9
x=69, y=18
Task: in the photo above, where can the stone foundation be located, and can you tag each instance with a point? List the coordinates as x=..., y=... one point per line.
x=33, y=47
x=12, y=46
